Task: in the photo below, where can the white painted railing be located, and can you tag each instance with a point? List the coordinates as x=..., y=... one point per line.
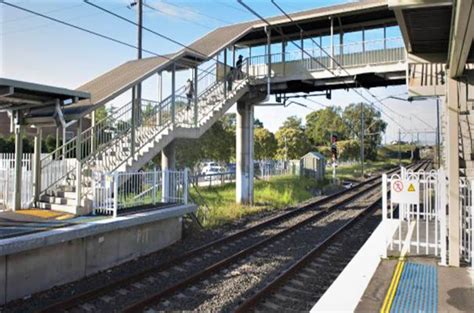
x=467, y=220
x=116, y=192
x=348, y=55
x=423, y=225
x=7, y=180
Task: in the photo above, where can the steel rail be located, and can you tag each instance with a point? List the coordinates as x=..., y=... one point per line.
x=143, y=304
x=284, y=276
x=96, y=292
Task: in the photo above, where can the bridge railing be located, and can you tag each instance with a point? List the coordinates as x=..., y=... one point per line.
x=353, y=54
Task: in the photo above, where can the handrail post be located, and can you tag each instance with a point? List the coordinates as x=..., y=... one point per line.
x=133, y=124
x=196, y=93
x=93, y=132
x=332, y=43
x=78, y=163
x=225, y=72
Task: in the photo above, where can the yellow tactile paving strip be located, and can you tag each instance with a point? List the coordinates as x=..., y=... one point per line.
x=387, y=304
x=46, y=214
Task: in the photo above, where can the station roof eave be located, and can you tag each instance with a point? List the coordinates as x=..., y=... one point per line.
x=18, y=95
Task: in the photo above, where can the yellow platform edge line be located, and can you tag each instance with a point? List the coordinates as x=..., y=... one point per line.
x=392, y=290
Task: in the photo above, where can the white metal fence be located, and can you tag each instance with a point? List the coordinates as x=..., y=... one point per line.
x=421, y=226
x=116, y=192
x=7, y=180
x=467, y=220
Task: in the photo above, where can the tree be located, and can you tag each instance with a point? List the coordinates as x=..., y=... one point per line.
x=374, y=126
x=321, y=124
x=265, y=144
x=292, y=140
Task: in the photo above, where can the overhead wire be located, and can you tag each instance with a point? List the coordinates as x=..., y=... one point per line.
x=181, y=17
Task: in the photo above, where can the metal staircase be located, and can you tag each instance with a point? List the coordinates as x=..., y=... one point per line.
x=123, y=142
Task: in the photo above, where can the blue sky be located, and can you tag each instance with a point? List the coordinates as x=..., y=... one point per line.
x=42, y=51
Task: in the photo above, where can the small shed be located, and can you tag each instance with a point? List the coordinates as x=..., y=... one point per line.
x=313, y=164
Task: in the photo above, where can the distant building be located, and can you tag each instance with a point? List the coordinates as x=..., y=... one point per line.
x=313, y=164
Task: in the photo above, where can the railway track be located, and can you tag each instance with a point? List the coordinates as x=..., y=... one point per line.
x=138, y=292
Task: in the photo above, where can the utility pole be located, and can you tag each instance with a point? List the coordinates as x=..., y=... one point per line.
x=362, y=141
x=137, y=89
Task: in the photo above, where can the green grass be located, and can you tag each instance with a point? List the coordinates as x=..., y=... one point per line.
x=278, y=192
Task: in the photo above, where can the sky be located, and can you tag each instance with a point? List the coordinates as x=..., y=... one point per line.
x=38, y=50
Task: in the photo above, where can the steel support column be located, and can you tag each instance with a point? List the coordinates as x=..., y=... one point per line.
x=173, y=94
x=37, y=165
x=78, y=163
x=18, y=165
x=244, y=157
x=452, y=128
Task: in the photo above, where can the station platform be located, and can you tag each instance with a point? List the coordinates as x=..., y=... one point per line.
x=32, y=243
x=410, y=284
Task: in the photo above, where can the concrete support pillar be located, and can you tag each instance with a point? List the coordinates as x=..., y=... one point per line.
x=37, y=165
x=452, y=112
x=18, y=167
x=244, y=157
x=168, y=162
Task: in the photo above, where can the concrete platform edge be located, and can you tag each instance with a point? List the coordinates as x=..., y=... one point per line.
x=346, y=291
x=51, y=237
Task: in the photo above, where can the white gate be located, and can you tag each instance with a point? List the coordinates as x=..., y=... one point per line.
x=420, y=221
x=467, y=220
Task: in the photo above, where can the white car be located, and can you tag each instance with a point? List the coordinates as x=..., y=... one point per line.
x=212, y=171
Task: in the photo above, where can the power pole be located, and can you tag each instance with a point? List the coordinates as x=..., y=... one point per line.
x=137, y=89
x=362, y=126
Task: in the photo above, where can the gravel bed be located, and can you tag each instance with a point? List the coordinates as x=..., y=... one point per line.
x=225, y=289
x=319, y=274
x=120, y=298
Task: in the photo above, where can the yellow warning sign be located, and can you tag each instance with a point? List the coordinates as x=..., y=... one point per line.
x=411, y=188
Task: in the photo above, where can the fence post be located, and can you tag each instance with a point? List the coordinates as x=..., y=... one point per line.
x=116, y=183
x=384, y=214
x=185, y=185
x=155, y=179
x=164, y=186
x=442, y=214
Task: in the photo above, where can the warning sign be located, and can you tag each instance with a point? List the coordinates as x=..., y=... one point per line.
x=405, y=191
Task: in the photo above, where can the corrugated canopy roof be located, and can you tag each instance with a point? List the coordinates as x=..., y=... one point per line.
x=17, y=95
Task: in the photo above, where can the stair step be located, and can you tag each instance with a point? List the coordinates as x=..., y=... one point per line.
x=58, y=207
x=57, y=200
